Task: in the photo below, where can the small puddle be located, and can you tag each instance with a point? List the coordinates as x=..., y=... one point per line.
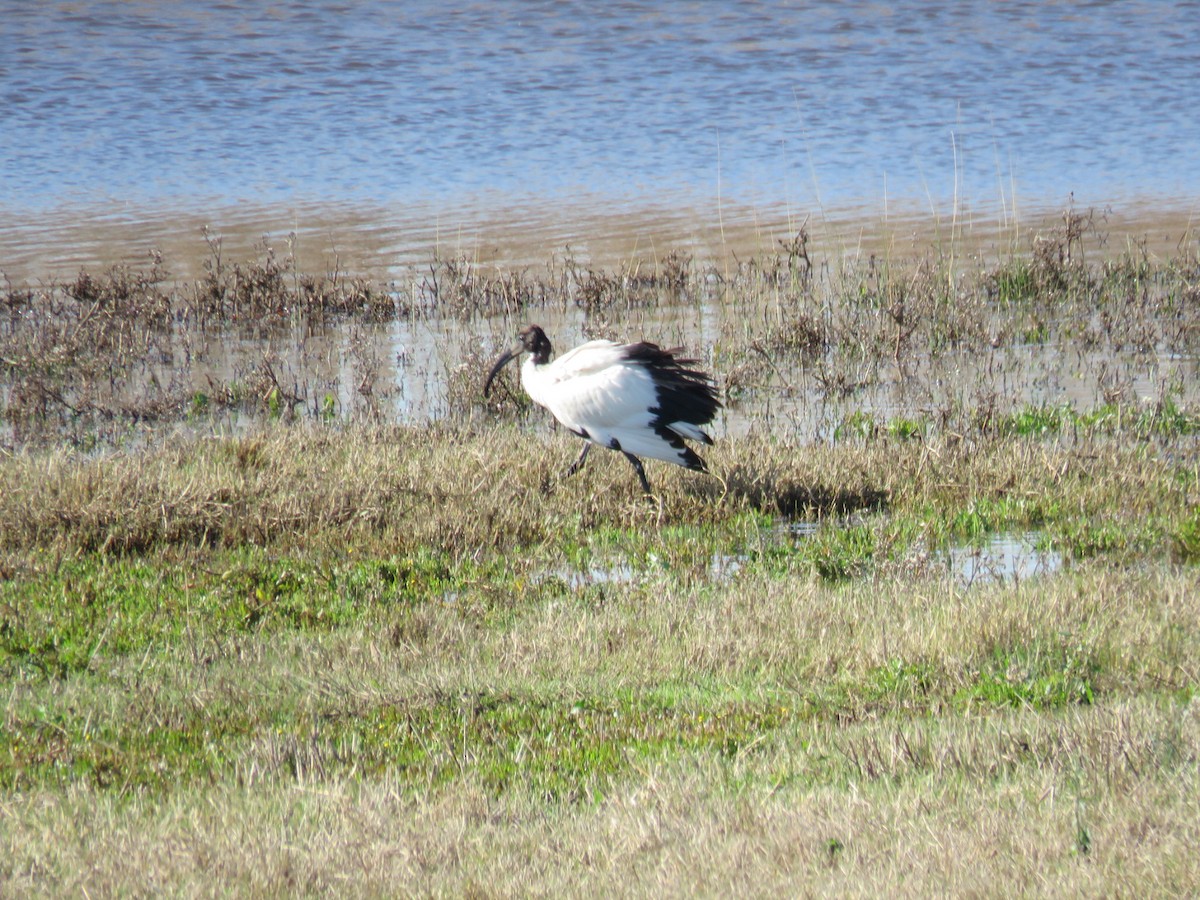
x=577, y=579
x=798, y=529
x=721, y=567
x=1007, y=556
x=1002, y=557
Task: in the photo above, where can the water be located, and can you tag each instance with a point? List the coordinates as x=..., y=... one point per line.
x=380, y=129
x=1002, y=558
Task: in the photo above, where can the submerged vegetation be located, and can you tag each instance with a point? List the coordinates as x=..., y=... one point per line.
x=936, y=342
x=307, y=647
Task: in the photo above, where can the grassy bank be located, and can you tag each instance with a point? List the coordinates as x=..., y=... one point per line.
x=313, y=652
x=380, y=657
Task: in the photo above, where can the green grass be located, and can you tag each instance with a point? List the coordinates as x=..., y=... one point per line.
x=561, y=731
x=1038, y=676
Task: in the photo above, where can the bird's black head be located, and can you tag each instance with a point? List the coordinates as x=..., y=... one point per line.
x=536, y=344
x=533, y=341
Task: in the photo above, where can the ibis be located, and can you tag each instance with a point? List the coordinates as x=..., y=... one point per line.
x=637, y=399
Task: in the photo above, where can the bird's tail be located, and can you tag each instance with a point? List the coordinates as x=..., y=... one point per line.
x=664, y=444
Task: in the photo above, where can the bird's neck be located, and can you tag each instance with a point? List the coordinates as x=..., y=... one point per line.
x=535, y=378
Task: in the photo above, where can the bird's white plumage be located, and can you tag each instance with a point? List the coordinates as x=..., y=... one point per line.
x=636, y=398
x=599, y=394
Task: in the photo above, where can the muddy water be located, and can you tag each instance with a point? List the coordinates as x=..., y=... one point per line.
x=510, y=130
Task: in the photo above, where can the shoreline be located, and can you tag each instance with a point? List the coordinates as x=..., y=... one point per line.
x=382, y=244
x=839, y=333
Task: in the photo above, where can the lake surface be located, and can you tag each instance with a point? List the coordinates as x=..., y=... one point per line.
x=378, y=130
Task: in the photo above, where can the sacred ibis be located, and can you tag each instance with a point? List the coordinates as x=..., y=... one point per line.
x=638, y=399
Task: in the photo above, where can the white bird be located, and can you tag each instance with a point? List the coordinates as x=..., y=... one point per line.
x=638, y=399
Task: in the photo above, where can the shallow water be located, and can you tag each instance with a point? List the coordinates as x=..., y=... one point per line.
x=379, y=130
x=1006, y=557
x=425, y=368
x=414, y=360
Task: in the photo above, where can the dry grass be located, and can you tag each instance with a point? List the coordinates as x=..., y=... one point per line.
x=458, y=489
x=684, y=829
x=397, y=691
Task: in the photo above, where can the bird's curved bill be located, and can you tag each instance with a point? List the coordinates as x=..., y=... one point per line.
x=499, y=364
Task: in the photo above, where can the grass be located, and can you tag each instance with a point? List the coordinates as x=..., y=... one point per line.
x=343, y=656
x=431, y=744
x=307, y=638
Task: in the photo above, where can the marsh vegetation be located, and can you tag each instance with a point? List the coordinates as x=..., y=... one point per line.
x=268, y=622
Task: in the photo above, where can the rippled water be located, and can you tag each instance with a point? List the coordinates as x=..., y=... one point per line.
x=391, y=124
x=382, y=132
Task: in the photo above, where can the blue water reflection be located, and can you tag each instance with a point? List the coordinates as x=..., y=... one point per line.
x=456, y=102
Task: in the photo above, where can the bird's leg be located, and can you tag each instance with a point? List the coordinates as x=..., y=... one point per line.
x=637, y=467
x=578, y=464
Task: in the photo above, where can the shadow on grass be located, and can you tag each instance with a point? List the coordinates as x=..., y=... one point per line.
x=775, y=493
